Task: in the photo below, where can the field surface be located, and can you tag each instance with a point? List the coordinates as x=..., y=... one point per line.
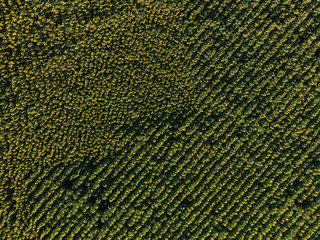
x=167, y=119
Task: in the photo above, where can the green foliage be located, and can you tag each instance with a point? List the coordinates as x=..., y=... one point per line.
x=159, y=119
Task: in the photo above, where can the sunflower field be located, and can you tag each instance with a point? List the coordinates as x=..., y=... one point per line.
x=159, y=119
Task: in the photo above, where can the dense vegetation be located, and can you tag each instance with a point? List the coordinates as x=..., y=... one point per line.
x=192, y=119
